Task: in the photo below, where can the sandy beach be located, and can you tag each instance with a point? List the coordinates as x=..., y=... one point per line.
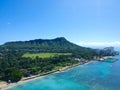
x=4, y=85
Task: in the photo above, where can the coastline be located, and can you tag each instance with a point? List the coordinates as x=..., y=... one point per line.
x=104, y=58
x=4, y=85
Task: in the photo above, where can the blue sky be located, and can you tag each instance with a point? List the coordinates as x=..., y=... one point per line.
x=84, y=22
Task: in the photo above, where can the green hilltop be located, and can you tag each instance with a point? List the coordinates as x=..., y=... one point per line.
x=57, y=45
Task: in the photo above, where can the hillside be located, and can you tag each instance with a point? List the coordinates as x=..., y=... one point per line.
x=44, y=45
x=57, y=45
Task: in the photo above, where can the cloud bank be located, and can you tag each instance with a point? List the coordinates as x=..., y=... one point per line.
x=116, y=43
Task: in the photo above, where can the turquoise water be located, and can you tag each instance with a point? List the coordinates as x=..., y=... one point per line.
x=93, y=76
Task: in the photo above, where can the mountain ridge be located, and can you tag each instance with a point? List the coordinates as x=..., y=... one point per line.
x=58, y=38
x=60, y=43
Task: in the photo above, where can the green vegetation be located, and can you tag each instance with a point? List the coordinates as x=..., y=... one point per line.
x=58, y=45
x=30, y=66
x=12, y=74
x=45, y=55
x=39, y=56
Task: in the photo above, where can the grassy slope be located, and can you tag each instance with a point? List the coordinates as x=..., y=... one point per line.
x=44, y=55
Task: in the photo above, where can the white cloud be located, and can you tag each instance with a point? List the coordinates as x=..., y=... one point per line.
x=116, y=43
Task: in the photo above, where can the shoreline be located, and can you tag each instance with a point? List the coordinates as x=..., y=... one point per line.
x=4, y=85
x=105, y=57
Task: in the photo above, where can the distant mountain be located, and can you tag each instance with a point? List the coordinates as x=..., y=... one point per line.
x=59, y=44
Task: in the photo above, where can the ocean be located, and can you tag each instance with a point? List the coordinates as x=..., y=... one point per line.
x=95, y=75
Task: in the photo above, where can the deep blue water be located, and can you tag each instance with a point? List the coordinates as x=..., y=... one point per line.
x=93, y=76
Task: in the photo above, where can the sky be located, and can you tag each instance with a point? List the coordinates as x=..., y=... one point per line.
x=84, y=22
